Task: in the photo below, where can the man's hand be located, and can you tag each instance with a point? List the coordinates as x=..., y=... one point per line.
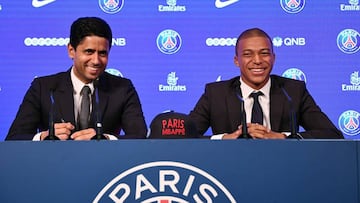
x=62, y=131
x=256, y=131
x=86, y=134
x=233, y=135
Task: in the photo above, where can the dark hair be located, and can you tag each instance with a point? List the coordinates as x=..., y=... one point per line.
x=89, y=26
x=253, y=32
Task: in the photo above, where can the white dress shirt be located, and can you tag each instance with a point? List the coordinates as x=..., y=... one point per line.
x=264, y=101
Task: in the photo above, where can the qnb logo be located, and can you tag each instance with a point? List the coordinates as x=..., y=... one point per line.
x=289, y=41
x=348, y=41
x=294, y=73
x=171, y=7
x=61, y=41
x=172, y=85
x=354, y=81
x=164, y=181
x=292, y=6
x=115, y=72
x=119, y=42
x=221, y=42
x=111, y=6
x=168, y=41
x=349, y=122
x=352, y=6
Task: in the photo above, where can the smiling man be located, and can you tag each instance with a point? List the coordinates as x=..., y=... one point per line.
x=85, y=100
x=268, y=99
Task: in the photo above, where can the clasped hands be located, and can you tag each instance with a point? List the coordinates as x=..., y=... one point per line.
x=63, y=132
x=256, y=131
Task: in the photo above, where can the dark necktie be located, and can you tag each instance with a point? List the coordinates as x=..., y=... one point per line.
x=257, y=113
x=84, y=107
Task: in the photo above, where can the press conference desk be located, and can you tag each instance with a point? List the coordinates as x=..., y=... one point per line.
x=178, y=170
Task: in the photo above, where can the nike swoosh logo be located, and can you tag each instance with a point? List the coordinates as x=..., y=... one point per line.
x=222, y=4
x=41, y=3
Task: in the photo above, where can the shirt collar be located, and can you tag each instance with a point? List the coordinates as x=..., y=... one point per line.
x=247, y=90
x=78, y=84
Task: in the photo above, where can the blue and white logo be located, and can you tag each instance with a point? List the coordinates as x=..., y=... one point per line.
x=114, y=71
x=221, y=41
x=171, y=7
x=172, y=84
x=292, y=6
x=354, y=81
x=277, y=41
x=352, y=6
x=224, y=3
x=164, y=181
x=295, y=74
x=111, y=6
x=168, y=41
x=348, y=41
x=288, y=41
x=349, y=122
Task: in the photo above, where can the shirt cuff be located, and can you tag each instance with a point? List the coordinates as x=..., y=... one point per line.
x=37, y=137
x=217, y=137
x=111, y=137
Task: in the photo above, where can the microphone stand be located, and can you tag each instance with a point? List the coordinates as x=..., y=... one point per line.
x=292, y=114
x=51, y=135
x=244, y=133
x=98, y=125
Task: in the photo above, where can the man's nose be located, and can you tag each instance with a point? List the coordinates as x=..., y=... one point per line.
x=95, y=58
x=257, y=59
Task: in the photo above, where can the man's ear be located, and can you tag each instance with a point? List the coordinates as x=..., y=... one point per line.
x=236, y=61
x=71, y=51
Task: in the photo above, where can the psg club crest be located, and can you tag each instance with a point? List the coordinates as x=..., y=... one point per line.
x=348, y=41
x=292, y=6
x=168, y=41
x=349, y=122
x=111, y=6
x=164, y=181
x=115, y=72
x=294, y=73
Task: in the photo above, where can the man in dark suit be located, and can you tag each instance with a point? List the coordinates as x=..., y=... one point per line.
x=111, y=101
x=219, y=106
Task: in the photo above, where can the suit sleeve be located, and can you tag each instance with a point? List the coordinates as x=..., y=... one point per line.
x=201, y=112
x=28, y=117
x=314, y=121
x=133, y=122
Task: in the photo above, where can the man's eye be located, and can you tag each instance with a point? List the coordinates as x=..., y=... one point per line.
x=103, y=53
x=89, y=51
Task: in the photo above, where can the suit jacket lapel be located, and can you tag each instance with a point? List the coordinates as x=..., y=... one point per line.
x=277, y=103
x=233, y=104
x=65, y=98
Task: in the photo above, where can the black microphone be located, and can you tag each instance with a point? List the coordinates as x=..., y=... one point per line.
x=51, y=135
x=98, y=125
x=244, y=133
x=293, y=126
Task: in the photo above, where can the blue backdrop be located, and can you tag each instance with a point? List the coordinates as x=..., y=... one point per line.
x=170, y=49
